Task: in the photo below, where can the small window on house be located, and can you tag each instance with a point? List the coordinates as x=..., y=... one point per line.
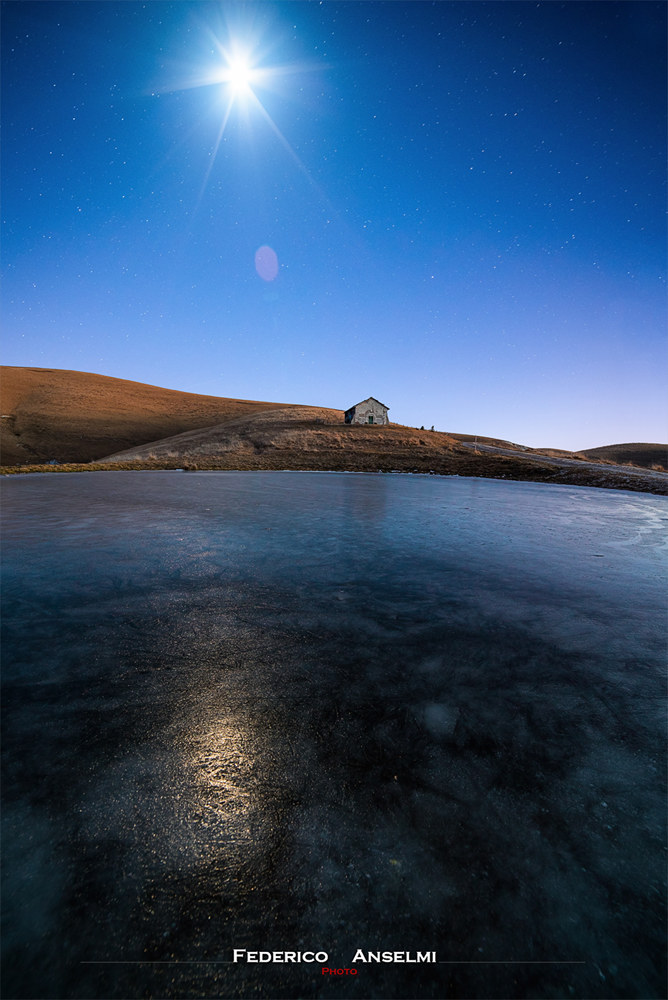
x=371, y=419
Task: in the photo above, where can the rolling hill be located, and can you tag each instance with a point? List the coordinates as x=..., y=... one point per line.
x=648, y=456
x=81, y=420
x=68, y=416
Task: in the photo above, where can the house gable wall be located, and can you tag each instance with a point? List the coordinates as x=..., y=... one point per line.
x=360, y=413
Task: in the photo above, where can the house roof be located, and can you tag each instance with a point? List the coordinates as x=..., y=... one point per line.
x=370, y=399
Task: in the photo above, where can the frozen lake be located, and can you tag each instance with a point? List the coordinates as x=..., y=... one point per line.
x=332, y=713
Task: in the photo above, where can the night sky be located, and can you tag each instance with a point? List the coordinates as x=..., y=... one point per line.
x=458, y=208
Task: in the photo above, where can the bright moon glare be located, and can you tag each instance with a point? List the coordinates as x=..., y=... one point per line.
x=241, y=71
x=240, y=75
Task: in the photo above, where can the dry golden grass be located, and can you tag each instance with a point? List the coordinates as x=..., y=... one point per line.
x=644, y=456
x=297, y=429
x=578, y=456
x=79, y=417
x=93, y=423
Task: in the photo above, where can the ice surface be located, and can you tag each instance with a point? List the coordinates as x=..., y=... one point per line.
x=300, y=711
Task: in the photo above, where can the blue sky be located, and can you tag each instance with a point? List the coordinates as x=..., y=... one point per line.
x=466, y=203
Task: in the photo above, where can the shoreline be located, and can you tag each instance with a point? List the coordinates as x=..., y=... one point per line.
x=499, y=468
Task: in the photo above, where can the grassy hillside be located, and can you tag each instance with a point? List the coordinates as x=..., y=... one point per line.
x=87, y=421
x=303, y=431
x=78, y=417
x=647, y=456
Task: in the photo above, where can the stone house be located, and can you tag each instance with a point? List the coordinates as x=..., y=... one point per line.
x=369, y=411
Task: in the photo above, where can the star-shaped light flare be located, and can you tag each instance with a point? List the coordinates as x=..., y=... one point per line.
x=240, y=71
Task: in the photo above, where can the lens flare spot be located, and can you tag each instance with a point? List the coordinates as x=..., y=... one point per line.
x=266, y=263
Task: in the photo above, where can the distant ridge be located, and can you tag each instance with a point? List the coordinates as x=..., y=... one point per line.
x=647, y=456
